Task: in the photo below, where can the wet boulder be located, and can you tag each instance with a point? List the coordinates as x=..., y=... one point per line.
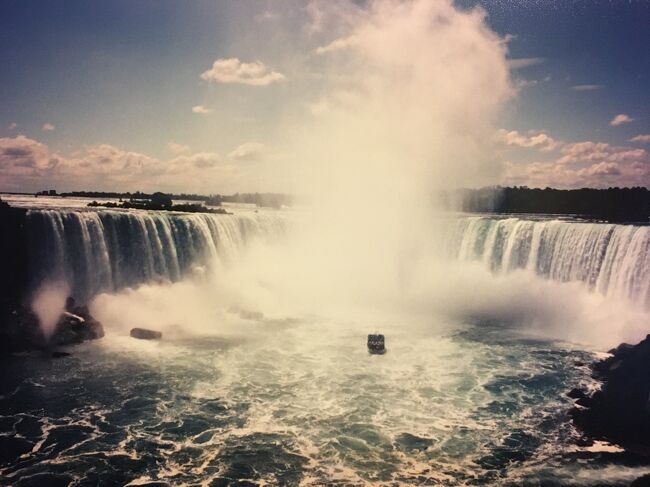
x=620, y=411
x=576, y=393
x=145, y=334
x=72, y=328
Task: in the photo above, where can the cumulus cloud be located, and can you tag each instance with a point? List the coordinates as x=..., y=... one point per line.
x=232, y=70
x=20, y=154
x=588, y=151
x=539, y=141
x=620, y=119
x=248, y=151
x=644, y=138
x=586, y=87
x=178, y=148
x=586, y=164
x=28, y=164
x=200, y=109
x=200, y=160
x=337, y=45
x=48, y=127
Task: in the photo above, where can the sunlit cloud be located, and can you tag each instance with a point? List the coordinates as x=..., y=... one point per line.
x=539, y=141
x=201, y=110
x=620, y=119
x=28, y=163
x=178, y=148
x=337, y=45
x=232, y=70
x=643, y=138
x=48, y=127
x=585, y=164
x=12, y=126
x=248, y=151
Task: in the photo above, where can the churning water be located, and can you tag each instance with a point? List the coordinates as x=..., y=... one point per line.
x=296, y=399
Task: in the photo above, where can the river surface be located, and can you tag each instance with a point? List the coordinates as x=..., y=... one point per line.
x=295, y=399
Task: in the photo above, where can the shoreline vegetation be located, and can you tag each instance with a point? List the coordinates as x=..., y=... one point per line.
x=615, y=205
x=269, y=200
x=155, y=204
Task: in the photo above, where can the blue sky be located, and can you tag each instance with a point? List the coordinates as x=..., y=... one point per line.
x=107, y=87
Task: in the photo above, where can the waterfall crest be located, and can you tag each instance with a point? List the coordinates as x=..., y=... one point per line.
x=613, y=260
x=103, y=251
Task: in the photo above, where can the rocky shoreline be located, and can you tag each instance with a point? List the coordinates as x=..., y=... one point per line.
x=619, y=412
x=21, y=330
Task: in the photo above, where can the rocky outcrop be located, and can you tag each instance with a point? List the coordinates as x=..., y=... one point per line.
x=13, y=259
x=620, y=411
x=21, y=329
x=73, y=328
x=145, y=334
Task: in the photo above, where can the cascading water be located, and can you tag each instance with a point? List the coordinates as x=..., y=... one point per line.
x=97, y=251
x=296, y=394
x=613, y=260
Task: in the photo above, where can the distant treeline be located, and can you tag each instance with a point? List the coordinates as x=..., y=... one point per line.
x=612, y=204
x=273, y=200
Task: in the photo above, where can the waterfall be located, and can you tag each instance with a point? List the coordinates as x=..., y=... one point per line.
x=107, y=250
x=613, y=260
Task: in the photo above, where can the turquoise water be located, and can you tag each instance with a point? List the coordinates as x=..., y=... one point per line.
x=301, y=402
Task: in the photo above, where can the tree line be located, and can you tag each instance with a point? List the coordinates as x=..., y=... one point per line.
x=611, y=204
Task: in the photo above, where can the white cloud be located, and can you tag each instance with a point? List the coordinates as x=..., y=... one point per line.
x=48, y=127
x=644, y=138
x=248, y=151
x=587, y=87
x=580, y=152
x=525, y=62
x=201, y=160
x=585, y=164
x=232, y=70
x=21, y=154
x=539, y=141
x=337, y=45
x=620, y=119
x=178, y=148
x=30, y=165
x=200, y=109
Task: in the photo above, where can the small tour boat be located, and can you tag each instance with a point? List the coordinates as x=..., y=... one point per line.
x=376, y=344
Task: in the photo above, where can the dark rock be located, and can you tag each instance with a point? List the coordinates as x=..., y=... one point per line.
x=576, y=393
x=643, y=481
x=13, y=260
x=620, y=411
x=21, y=330
x=73, y=328
x=584, y=442
x=585, y=402
x=621, y=350
x=70, y=304
x=58, y=354
x=145, y=334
